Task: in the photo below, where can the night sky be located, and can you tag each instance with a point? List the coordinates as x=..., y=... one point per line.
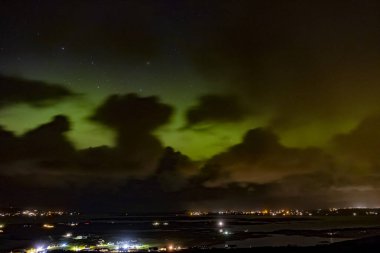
x=172, y=105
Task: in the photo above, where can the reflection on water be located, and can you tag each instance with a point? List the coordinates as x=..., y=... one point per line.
x=281, y=240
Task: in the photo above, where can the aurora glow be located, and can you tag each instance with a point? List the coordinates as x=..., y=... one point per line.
x=269, y=101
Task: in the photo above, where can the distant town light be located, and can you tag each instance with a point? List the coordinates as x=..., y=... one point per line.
x=68, y=235
x=48, y=226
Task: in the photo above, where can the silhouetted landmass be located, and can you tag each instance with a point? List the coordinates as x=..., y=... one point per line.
x=368, y=244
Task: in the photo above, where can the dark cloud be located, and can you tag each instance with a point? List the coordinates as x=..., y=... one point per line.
x=323, y=189
x=133, y=113
x=174, y=169
x=360, y=148
x=215, y=109
x=44, y=149
x=262, y=170
x=134, y=119
x=8, y=145
x=259, y=169
x=43, y=162
x=37, y=93
x=261, y=158
x=48, y=140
